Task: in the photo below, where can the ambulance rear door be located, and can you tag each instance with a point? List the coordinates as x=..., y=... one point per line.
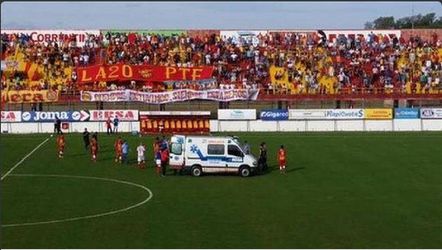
x=176, y=159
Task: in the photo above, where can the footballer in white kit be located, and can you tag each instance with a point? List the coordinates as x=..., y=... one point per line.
x=140, y=150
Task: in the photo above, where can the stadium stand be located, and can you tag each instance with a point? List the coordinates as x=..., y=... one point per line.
x=277, y=63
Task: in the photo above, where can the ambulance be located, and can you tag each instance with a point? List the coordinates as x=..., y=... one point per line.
x=209, y=154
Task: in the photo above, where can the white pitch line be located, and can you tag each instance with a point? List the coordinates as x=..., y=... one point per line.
x=87, y=216
x=24, y=158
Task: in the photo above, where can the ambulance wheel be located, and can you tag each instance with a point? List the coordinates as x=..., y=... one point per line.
x=196, y=171
x=244, y=171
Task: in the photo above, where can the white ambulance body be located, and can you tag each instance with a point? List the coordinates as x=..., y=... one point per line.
x=210, y=154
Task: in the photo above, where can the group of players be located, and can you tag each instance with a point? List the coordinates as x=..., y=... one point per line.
x=121, y=148
x=160, y=148
x=90, y=143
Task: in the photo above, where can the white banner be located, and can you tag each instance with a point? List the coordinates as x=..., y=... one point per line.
x=176, y=113
x=335, y=33
x=306, y=114
x=236, y=114
x=431, y=113
x=45, y=36
x=326, y=114
x=123, y=115
x=242, y=37
x=169, y=96
x=11, y=116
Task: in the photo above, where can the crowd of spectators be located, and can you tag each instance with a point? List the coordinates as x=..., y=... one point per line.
x=44, y=65
x=309, y=63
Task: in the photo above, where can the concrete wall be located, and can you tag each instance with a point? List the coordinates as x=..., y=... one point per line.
x=250, y=126
x=47, y=127
x=326, y=125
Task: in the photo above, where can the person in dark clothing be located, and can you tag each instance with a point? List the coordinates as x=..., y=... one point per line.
x=57, y=126
x=116, y=122
x=86, y=139
x=109, y=126
x=262, y=161
x=164, y=143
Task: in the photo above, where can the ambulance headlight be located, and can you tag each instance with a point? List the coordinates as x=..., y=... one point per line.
x=255, y=163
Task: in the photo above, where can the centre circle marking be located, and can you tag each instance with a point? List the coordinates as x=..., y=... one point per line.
x=87, y=216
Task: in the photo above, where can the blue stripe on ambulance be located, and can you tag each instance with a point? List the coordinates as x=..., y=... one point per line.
x=195, y=149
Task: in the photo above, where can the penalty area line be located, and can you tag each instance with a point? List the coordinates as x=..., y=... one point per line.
x=24, y=158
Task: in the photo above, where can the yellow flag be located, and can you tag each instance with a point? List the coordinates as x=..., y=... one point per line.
x=279, y=75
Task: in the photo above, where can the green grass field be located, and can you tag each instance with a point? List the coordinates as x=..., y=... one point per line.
x=342, y=190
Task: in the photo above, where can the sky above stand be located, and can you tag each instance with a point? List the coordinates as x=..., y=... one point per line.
x=204, y=15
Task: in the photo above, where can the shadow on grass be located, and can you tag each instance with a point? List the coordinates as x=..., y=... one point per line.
x=78, y=155
x=295, y=169
x=270, y=169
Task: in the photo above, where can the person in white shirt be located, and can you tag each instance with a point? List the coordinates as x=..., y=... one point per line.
x=244, y=83
x=208, y=57
x=140, y=150
x=86, y=59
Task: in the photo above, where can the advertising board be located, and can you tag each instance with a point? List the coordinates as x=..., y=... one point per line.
x=344, y=114
x=378, y=114
x=11, y=116
x=306, y=114
x=406, y=113
x=431, y=113
x=123, y=115
x=274, y=115
x=65, y=116
x=236, y=114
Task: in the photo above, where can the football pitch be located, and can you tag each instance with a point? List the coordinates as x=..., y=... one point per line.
x=342, y=190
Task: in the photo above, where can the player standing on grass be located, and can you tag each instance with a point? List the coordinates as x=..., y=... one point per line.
x=109, y=126
x=164, y=160
x=158, y=161
x=282, y=160
x=118, y=147
x=156, y=148
x=125, y=151
x=94, y=149
x=60, y=144
x=95, y=136
x=140, y=150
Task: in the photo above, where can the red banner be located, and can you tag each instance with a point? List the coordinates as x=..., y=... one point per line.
x=29, y=96
x=125, y=72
